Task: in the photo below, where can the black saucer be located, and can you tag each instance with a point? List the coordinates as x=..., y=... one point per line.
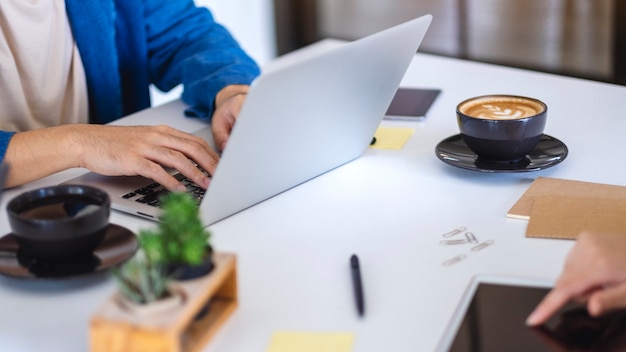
x=119, y=245
x=548, y=152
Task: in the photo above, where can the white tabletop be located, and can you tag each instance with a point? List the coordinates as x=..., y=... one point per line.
x=389, y=206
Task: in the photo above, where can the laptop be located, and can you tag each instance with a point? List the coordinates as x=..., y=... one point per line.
x=299, y=120
x=4, y=171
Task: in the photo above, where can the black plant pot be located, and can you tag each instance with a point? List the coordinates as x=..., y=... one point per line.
x=184, y=271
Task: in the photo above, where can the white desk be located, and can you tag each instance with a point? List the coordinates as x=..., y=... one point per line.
x=390, y=207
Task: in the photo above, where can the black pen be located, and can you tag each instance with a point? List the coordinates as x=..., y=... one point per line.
x=358, y=285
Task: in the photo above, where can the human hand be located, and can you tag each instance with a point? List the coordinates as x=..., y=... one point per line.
x=594, y=272
x=145, y=151
x=228, y=103
x=576, y=330
x=110, y=150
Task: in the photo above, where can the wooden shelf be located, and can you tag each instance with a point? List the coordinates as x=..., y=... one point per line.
x=114, y=329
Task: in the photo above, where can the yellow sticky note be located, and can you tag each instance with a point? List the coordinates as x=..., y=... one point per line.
x=310, y=342
x=392, y=137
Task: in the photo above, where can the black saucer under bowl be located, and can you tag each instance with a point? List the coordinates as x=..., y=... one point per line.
x=548, y=152
x=118, y=245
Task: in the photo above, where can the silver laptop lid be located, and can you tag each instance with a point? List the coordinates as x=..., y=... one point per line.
x=4, y=171
x=310, y=117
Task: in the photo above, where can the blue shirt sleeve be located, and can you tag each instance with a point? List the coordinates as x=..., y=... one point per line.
x=186, y=45
x=5, y=138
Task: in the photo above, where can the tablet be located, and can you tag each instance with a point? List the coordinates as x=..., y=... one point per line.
x=492, y=313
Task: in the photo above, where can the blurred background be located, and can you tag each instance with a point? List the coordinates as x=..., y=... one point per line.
x=579, y=38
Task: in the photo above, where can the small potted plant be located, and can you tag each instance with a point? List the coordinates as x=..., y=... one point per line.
x=175, y=250
x=144, y=287
x=180, y=242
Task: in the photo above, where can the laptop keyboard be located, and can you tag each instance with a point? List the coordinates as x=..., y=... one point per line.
x=151, y=194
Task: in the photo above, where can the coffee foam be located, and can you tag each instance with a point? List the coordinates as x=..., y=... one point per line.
x=501, y=107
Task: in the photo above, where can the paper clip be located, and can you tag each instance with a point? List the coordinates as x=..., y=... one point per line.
x=454, y=260
x=483, y=245
x=455, y=232
x=449, y=242
x=471, y=238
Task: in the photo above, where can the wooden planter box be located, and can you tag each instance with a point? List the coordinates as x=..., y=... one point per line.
x=114, y=329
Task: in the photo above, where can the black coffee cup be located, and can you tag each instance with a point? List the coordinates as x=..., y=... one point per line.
x=59, y=223
x=501, y=128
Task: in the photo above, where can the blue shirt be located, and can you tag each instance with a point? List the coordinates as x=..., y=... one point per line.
x=126, y=45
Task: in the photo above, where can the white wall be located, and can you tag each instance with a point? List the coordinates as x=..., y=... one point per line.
x=250, y=21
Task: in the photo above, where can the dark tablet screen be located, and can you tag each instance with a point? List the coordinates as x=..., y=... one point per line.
x=495, y=321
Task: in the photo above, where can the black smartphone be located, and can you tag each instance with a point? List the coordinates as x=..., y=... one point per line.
x=411, y=103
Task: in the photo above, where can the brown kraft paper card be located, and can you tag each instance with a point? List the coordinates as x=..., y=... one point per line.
x=567, y=217
x=544, y=186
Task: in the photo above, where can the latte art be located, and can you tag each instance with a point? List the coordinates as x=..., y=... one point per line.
x=501, y=111
x=501, y=108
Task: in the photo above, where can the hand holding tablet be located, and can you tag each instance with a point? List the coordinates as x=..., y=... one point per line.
x=491, y=315
x=595, y=273
x=585, y=309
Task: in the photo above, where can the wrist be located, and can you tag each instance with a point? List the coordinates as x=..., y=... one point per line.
x=229, y=92
x=71, y=137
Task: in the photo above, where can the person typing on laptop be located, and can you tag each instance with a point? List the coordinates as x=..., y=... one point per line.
x=69, y=66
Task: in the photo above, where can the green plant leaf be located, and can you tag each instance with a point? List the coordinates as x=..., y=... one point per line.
x=141, y=281
x=180, y=236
